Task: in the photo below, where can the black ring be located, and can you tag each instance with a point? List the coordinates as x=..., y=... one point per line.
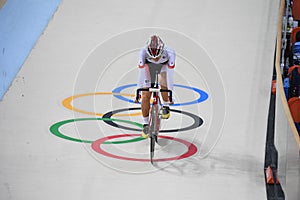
x=197, y=120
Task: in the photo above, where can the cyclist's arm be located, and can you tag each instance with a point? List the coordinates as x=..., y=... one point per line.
x=141, y=68
x=170, y=68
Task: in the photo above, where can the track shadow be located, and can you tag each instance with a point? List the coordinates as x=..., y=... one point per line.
x=187, y=166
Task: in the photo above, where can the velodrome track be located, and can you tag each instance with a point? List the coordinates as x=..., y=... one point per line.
x=225, y=50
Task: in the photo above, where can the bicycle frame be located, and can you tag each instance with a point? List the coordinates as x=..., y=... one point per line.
x=156, y=99
x=154, y=114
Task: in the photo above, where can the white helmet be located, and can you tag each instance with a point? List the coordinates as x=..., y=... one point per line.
x=155, y=46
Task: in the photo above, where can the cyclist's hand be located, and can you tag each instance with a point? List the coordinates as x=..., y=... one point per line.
x=171, y=101
x=136, y=100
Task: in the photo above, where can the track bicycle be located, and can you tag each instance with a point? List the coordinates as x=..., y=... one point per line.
x=155, y=114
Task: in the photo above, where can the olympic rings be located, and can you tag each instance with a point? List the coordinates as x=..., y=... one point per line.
x=192, y=149
x=96, y=145
x=67, y=103
x=197, y=120
x=203, y=95
x=55, y=130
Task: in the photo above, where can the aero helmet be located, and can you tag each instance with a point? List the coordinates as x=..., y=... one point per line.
x=155, y=46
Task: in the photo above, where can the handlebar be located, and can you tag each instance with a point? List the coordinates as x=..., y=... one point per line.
x=137, y=97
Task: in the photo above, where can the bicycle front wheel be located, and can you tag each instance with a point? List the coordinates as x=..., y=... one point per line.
x=154, y=129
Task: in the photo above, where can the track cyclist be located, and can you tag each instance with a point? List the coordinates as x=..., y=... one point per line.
x=155, y=56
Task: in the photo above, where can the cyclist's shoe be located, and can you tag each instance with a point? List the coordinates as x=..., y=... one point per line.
x=145, y=132
x=165, y=112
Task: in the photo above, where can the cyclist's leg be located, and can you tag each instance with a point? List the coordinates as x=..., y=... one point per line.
x=144, y=81
x=145, y=112
x=164, y=86
x=145, y=103
x=166, y=80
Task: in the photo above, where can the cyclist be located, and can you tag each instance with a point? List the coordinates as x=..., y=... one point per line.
x=155, y=56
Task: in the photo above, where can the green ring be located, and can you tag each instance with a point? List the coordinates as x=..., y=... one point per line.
x=55, y=130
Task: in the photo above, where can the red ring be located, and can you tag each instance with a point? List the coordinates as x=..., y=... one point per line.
x=96, y=146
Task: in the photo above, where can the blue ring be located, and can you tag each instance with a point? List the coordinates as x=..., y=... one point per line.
x=203, y=95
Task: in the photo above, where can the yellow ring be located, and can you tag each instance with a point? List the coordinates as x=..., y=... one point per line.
x=67, y=103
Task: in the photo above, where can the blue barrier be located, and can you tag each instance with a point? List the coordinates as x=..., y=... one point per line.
x=21, y=24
